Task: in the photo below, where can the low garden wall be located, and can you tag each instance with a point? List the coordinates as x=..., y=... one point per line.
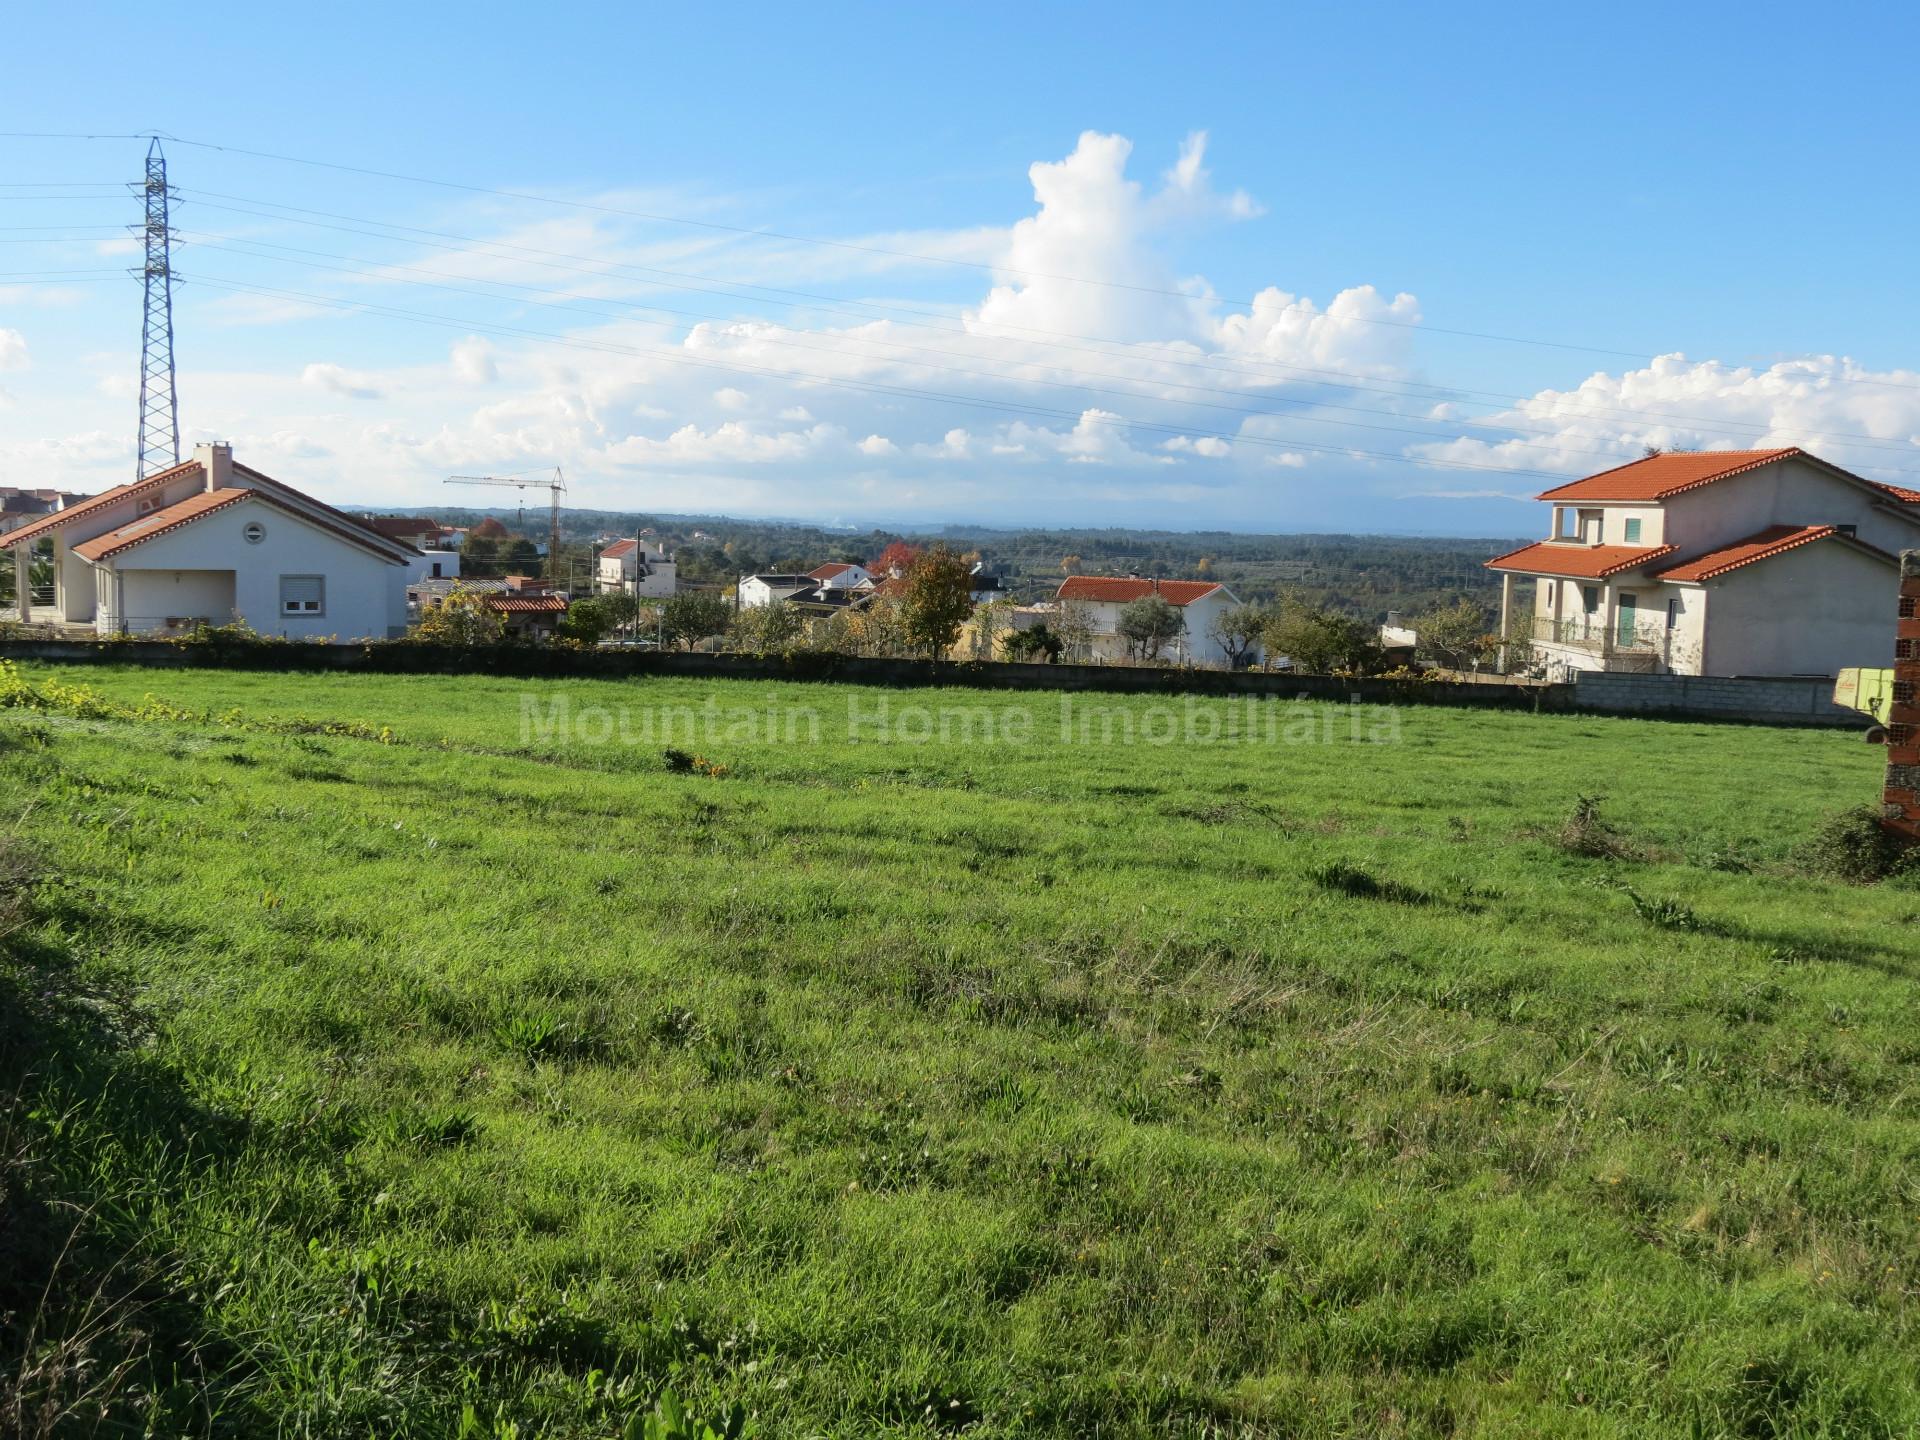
x=1791, y=701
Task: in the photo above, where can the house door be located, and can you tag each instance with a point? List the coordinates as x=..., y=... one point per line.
x=1629, y=612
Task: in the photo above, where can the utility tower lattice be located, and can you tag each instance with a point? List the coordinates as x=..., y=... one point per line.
x=159, y=409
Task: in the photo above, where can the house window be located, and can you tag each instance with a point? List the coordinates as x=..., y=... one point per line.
x=1590, y=599
x=1566, y=524
x=148, y=504
x=1673, y=613
x=1633, y=532
x=303, y=595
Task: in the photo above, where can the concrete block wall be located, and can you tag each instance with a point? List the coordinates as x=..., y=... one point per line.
x=1786, y=700
x=1902, y=797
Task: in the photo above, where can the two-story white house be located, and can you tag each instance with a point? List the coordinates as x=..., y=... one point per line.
x=1718, y=562
x=1101, y=598
x=211, y=541
x=627, y=567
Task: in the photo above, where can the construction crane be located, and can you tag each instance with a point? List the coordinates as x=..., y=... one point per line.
x=524, y=481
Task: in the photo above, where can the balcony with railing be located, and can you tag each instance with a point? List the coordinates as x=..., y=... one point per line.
x=1627, y=644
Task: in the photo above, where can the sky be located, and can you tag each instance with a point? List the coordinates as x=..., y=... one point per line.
x=1264, y=267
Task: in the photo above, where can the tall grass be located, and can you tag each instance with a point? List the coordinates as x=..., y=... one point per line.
x=418, y=1076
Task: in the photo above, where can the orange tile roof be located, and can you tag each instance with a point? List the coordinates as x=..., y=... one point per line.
x=526, y=604
x=159, y=522
x=828, y=571
x=1774, y=540
x=1579, y=562
x=59, y=518
x=1898, y=492
x=1115, y=591
x=619, y=548
x=1658, y=476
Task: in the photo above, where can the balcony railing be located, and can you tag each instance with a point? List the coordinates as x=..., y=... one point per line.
x=1619, y=647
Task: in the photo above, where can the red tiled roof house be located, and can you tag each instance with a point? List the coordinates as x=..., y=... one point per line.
x=1715, y=562
x=211, y=541
x=1101, y=598
x=627, y=567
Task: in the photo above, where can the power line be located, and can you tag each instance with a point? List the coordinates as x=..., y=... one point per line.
x=755, y=232
x=1346, y=379
x=871, y=387
x=1443, y=434
x=1238, y=367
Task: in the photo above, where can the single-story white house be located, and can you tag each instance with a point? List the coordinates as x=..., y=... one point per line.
x=1712, y=562
x=211, y=541
x=627, y=567
x=1101, y=599
x=756, y=590
x=839, y=575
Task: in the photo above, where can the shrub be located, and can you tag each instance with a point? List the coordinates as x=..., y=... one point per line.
x=1857, y=847
x=1584, y=833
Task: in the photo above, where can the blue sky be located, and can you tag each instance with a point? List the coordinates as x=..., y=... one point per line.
x=1731, y=185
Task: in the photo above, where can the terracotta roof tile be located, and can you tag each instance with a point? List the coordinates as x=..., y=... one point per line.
x=1659, y=476
x=159, y=522
x=619, y=548
x=829, y=571
x=1100, y=589
x=59, y=518
x=1579, y=562
x=1774, y=540
x=526, y=604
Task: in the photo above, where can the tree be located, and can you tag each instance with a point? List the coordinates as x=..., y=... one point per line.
x=938, y=600
x=1147, y=624
x=896, y=559
x=989, y=623
x=461, y=619
x=593, y=618
x=1237, y=630
x=1073, y=623
x=1069, y=564
x=1322, y=642
x=1036, y=643
x=767, y=629
x=1456, y=636
x=690, y=618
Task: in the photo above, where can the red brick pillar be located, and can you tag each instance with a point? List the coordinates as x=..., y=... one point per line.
x=1903, y=714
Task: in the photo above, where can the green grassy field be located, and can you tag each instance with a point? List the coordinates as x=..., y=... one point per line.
x=445, y=1078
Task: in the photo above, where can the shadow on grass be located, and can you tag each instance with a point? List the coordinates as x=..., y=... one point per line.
x=95, y=1335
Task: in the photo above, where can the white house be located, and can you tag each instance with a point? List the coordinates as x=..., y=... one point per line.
x=627, y=567
x=838, y=575
x=1721, y=562
x=755, y=590
x=212, y=541
x=1200, y=603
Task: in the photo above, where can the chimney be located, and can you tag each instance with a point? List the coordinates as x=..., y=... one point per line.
x=216, y=463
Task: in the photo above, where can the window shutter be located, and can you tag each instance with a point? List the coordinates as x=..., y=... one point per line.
x=301, y=594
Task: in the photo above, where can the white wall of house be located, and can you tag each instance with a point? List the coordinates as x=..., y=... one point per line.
x=364, y=596
x=754, y=591
x=168, y=599
x=1811, y=611
x=1787, y=492
x=434, y=565
x=620, y=573
x=1194, y=646
x=852, y=578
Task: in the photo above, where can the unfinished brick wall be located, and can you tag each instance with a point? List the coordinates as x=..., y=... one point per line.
x=1903, y=714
